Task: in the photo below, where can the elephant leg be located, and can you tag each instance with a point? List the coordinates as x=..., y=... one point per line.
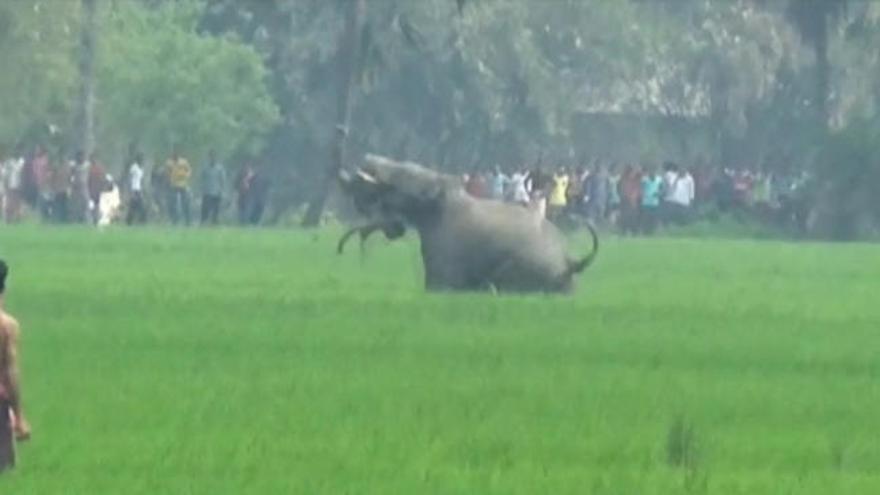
x=494, y=277
x=444, y=275
x=446, y=280
x=450, y=273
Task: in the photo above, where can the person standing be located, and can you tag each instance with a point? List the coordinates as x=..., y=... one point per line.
x=519, y=193
x=97, y=184
x=476, y=185
x=62, y=178
x=13, y=425
x=681, y=197
x=652, y=188
x=213, y=186
x=109, y=203
x=14, y=187
x=558, y=199
x=613, y=194
x=243, y=183
x=668, y=209
x=79, y=195
x=159, y=191
x=538, y=183
x=598, y=204
x=631, y=199
x=35, y=179
x=498, y=184
x=137, y=207
x=576, y=191
x=259, y=195
x=179, y=172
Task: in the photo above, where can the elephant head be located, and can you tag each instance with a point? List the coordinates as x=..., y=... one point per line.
x=390, y=190
x=393, y=194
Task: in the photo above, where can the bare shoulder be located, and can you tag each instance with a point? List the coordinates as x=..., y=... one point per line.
x=8, y=325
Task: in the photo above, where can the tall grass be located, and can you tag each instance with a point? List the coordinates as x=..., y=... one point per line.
x=232, y=361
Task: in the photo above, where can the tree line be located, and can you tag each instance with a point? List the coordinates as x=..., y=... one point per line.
x=458, y=84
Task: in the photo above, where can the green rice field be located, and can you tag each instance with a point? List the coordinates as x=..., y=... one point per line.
x=260, y=362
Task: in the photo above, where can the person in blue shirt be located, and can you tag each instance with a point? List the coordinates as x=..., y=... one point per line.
x=213, y=188
x=652, y=185
x=498, y=184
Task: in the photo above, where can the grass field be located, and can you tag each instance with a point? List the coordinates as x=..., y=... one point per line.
x=232, y=362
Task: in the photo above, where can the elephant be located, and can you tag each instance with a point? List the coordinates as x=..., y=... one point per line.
x=467, y=243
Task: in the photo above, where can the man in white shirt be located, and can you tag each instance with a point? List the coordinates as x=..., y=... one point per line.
x=668, y=207
x=670, y=177
x=681, y=197
x=14, y=193
x=518, y=190
x=109, y=204
x=137, y=211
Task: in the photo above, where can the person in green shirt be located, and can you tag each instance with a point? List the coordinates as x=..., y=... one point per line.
x=652, y=185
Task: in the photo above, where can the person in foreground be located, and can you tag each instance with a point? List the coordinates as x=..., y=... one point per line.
x=12, y=420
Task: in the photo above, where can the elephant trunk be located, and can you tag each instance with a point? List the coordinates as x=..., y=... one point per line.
x=365, y=232
x=391, y=228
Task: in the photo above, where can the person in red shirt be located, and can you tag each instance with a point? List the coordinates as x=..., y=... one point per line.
x=630, y=190
x=476, y=185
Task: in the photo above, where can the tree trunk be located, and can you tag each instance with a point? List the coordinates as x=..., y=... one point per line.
x=349, y=61
x=823, y=74
x=87, y=55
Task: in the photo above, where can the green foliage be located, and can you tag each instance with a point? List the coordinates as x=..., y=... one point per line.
x=38, y=79
x=165, y=84
x=239, y=362
x=849, y=173
x=812, y=17
x=458, y=84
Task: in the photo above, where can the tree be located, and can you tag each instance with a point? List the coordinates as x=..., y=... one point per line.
x=738, y=58
x=87, y=55
x=349, y=64
x=165, y=84
x=847, y=171
x=813, y=20
x=37, y=85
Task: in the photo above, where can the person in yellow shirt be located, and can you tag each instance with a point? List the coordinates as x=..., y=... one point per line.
x=558, y=194
x=178, y=171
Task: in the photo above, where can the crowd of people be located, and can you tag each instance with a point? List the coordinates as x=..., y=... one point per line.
x=82, y=190
x=637, y=200
x=629, y=198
